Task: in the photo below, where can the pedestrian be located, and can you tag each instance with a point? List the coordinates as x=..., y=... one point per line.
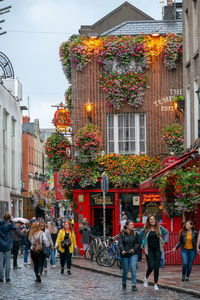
x=37, y=238
x=18, y=236
x=54, y=233
x=198, y=243
x=6, y=245
x=66, y=241
x=85, y=231
x=123, y=221
x=188, y=242
x=153, y=242
x=42, y=226
x=129, y=244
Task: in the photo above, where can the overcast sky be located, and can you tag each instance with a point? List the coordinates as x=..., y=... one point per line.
x=35, y=30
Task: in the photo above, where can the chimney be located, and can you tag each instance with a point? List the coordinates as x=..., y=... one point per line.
x=25, y=119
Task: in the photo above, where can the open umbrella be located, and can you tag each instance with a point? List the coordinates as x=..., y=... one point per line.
x=19, y=219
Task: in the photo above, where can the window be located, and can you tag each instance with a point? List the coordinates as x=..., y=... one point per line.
x=188, y=125
x=195, y=25
x=13, y=152
x=5, y=148
x=126, y=133
x=187, y=44
x=196, y=109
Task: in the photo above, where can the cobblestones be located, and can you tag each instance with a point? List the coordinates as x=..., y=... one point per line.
x=82, y=284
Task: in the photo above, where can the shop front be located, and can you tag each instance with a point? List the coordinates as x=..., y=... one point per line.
x=136, y=204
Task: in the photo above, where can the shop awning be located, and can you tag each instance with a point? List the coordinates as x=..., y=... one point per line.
x=183, y=160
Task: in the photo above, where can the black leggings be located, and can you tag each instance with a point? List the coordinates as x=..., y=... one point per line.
x=38, y=261
x=153, y=263
x=63, y=256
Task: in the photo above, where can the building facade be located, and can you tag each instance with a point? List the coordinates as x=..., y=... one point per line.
x=191, y=70
x=33, y=161
x=11, y=199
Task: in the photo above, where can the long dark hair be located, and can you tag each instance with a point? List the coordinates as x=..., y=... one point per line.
x=147, y=226
x=184, y=229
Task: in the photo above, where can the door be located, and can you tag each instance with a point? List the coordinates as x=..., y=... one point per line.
x=97, y=220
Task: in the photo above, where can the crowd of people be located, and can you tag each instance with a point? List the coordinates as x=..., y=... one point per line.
x=44, y=239
x=41, y=238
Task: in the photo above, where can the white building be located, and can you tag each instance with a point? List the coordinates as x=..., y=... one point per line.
x=11, y=199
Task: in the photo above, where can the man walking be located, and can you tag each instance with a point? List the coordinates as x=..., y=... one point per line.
x=17, y=237
x=5, y=246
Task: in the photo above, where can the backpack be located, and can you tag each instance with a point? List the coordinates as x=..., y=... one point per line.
x=37, y=246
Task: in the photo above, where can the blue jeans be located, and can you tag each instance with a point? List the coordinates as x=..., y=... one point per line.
x=129, y=263
x=52, y=253
x=188, y=256
x=25, y=254
x=5, y=256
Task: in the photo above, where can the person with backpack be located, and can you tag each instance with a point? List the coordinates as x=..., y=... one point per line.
x=37, y=238
x=44, y=228
x=6, y=245
x=153, y=243
x=66, y=241
x=129, y=244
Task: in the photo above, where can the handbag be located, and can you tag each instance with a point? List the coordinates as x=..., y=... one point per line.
x=45, y=249
x=66, y=243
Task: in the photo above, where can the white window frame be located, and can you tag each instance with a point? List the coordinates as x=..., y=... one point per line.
x=196, y=110
x=116, y=136
x=188, y=118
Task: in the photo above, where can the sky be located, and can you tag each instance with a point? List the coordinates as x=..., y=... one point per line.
x=35, y=31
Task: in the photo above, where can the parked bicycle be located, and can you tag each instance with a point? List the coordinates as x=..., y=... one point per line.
x=109, y=255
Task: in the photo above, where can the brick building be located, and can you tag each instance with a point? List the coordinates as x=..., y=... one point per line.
x=191, y=69
x=32, y=161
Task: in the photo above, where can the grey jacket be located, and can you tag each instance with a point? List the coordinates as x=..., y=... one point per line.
x=85, y=231
x=48, y=235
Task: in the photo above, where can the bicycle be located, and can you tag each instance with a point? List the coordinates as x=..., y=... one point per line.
x=109, y=255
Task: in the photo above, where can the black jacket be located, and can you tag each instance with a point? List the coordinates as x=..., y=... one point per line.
x=128, y=242
x=182, y=240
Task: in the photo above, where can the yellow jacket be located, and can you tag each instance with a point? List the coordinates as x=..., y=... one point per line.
x=60, y=238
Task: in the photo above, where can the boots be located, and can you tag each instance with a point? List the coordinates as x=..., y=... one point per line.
x=62, y=270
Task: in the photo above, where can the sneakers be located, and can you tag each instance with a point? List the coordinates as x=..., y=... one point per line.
x=183, y=278
x=8, y=279
x=187, y=279
x=156, y=288
x=145, y=282
x=123, y=287
x=38, y=278
x=45, y=270
x=134, y=288
x=68, y=272
x=16, y=267
x=53, y=266
x=25, y=263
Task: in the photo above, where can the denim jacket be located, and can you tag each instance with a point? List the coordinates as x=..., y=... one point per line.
x=163, y=231
x=182, y=240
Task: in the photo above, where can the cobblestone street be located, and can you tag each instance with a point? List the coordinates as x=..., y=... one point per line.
x=82, y=284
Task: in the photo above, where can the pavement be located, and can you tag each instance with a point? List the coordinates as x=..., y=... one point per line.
x=169, y=278
x=82, y=284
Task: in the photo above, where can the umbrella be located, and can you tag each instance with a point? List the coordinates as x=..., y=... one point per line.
x=22, y=220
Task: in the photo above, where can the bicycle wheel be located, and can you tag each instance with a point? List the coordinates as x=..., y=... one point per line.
x=106, y=257
x=89, y=253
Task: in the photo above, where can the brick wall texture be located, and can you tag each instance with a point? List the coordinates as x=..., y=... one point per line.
x=162, y=84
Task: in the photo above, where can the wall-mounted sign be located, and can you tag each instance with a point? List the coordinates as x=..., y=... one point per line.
x=80, y=198
x=169, y=160
x=166, y=103
x=136, y=201
x=97, y=199
x=61, y=120
x=150, y=198
x=68, y=152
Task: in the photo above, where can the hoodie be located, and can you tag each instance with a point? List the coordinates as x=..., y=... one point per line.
x=5, y=235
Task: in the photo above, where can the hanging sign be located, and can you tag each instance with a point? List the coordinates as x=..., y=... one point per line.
x=68, y=152
x=169, y=160
x=61, y=120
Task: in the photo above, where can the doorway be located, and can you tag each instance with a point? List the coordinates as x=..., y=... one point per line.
x=97, y=220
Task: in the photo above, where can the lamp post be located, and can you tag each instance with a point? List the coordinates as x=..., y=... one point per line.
x=179, y=105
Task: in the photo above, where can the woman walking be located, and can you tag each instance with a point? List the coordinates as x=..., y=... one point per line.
x=37, y=237
x=129, y=244
x=188, y=242
x=153, y=243
x=54, y=233
x=66, y=241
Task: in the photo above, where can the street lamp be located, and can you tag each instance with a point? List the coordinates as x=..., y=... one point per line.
x=198, y=94
x=88, y=107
